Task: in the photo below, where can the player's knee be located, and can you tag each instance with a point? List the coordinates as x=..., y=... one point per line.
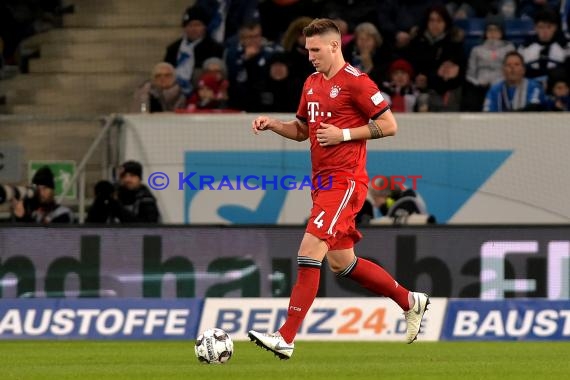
x=312, y=253
x=313, y=248
x=342, y=267
x=336, y=267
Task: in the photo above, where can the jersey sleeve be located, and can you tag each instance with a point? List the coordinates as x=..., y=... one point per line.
x=368, y=97
x=302, y=109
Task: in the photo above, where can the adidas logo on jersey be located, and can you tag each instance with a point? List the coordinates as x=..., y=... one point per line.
x=310, y=92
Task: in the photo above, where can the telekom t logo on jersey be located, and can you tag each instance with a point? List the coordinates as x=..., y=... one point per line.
x=313, y=111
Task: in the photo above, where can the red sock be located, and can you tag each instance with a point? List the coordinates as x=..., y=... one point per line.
x=374, y=278
x=302, y=297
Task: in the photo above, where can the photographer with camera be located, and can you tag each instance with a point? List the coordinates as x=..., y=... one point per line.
x=392, y=203
x=131, y=202
x=37, y=204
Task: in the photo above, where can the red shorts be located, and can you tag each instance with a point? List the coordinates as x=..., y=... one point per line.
x=333, y=214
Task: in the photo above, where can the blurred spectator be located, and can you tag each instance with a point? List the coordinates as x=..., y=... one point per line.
x=104, y=204
x=530, y=8
x=278, y=92
x=215, y=65
x=507, y=9
x=161, y=93
x=211, y=93
x=463, y=9
x=515, y=92
x=247, y=63
x=544, y=52
x=558, y=92
x=400, y=87
x=195, y=46
x=368, y=52
x=438, y=40
x=392, y=203
x=131, y=202
x=212, y=65
x=42, y=208
x=485, y=65
x=445, y=92
x=294, y=45
x=227, y=15
x=399, y=19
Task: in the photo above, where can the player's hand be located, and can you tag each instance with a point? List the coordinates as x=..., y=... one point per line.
x=260, y=123
x=329, y=134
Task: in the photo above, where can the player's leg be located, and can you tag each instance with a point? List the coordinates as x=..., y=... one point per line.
x=344, y=263
x=309, y=259
x=369, y=275
x=374, y=278
x=327, y=206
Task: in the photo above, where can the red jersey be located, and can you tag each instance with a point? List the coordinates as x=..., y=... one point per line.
x=347, y=100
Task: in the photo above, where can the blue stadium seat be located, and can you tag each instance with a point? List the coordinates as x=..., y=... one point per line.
x=518, y=30
x=473, y=27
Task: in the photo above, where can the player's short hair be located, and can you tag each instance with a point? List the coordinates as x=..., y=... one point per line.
x=320, y=26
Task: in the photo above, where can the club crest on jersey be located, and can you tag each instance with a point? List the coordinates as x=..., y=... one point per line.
x=334, y=91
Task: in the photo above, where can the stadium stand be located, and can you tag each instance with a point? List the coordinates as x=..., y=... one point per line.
x=516, y=30
x=91, y=64
x=86, y=69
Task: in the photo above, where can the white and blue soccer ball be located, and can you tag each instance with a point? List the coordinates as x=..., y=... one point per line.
x=214, y=346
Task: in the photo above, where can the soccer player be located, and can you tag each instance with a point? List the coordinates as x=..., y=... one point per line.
x=340, y=108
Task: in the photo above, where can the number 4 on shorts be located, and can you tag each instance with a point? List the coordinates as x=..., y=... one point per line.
x=319, y=220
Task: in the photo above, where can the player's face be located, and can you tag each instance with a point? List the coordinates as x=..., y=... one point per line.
x=320, y=52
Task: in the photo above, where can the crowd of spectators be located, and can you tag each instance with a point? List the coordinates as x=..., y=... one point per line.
x=422, y=54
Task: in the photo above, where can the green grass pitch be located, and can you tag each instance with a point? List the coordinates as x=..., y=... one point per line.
x=311, y=360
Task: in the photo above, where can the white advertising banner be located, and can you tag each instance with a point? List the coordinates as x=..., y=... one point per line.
x=340, y=319
x=506, y=168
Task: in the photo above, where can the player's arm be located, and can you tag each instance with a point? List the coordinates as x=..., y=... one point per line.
x=294, y=129
x=380, y=126
x=383, y=126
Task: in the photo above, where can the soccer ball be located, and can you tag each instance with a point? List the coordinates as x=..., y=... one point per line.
x=214, y=346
